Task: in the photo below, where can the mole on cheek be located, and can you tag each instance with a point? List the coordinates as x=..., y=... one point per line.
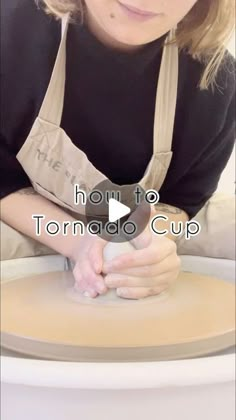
x=112, y=16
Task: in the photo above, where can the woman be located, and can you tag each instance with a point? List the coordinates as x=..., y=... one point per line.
x=115, y=51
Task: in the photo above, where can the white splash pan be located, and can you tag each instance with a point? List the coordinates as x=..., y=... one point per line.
x=201, y=388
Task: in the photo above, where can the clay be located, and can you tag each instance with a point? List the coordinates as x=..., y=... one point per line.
x=113, y=250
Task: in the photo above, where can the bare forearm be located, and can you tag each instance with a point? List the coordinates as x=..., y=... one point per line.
x=17, y=210
x=173, y=214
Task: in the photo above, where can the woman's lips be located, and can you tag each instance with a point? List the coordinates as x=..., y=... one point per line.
x=137, y=14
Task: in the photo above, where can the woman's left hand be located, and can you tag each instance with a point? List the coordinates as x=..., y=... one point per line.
x=147, y=271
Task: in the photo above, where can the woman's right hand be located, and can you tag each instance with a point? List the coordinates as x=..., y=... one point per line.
x=88, y=259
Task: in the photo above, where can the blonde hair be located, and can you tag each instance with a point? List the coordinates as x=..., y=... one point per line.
x=203, y=32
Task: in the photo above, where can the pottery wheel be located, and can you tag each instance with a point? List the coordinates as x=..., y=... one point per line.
x=43, y=316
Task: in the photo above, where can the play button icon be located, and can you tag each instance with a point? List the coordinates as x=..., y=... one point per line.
x=117, y=213
x=117, y=210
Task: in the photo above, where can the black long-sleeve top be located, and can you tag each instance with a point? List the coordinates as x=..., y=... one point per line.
x=109, y=106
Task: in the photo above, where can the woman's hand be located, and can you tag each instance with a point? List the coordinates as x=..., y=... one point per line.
x=88, y=259
x=149, y=270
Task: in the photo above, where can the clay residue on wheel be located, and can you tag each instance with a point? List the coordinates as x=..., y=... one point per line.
x=110, y=298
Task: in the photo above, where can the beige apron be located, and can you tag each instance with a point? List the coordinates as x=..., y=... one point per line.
x=54, y=164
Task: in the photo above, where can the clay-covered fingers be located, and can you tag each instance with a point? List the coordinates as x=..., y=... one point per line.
x=95, y=254
x=88, y=258
x=141, y=292
x=170, y=263
x=87, y=293
x=87, y=281
x=115, y=280
x=153, y=254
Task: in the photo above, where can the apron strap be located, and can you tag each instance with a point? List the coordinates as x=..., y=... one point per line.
x=166, y=98
x=52, y=106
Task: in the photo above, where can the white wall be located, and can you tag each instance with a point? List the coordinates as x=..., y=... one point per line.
x=227, y=181
x=232, y=45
